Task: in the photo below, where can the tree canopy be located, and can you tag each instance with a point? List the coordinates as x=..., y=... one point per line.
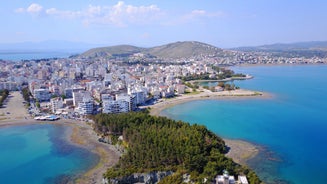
x=3, y=95
x=162, y=144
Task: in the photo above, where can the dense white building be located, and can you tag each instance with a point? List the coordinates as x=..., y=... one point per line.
x=106, y=97
x=42, y=95
x=79, y=95
x=128, y=98
x=180, y=88
x=86, y=106
x=56, y=103
x=68, y=92
x=115, y=106
x=227, y=179
x=107, y=80
x=139, y=94
x=242, y=180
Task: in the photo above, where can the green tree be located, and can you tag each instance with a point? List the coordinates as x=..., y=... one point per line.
x=161, y=144
x=37, y=103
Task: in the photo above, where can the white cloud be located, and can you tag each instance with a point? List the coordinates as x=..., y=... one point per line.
x=34, y=8
x=63, y=14
x=203, y=14
x=120, y=14
x=198, y=12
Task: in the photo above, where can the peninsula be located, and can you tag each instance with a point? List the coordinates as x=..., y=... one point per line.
x=82, y=133
x=76, y=88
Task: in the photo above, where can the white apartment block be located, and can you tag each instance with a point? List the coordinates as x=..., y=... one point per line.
x=56, y=103
x=242, y=180
x=227, y=179
x=115, y=106
x=180, y=88
x=79, y=95
x=140, y=95
x=86, y=106
x=105, y=97
x=128, y=98
x=42, y=95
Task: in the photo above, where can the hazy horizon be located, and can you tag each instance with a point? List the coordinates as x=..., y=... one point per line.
x=68, y=46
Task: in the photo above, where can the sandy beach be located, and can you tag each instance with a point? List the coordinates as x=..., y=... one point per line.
x=14, y=114
x=206, y=94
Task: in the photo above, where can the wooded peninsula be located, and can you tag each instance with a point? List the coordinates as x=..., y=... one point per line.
x=152, y=143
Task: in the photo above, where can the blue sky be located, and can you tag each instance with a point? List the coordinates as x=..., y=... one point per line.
x=223, y=23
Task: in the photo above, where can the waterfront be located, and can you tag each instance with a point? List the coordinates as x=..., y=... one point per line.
x=289, y=127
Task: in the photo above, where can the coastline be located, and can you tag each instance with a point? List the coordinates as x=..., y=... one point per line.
x=81, y=134
x=156, y=109
x=239, y=150
x=224, y=80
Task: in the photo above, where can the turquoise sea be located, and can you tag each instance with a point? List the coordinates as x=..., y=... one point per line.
x=37, y=154
x=290, y=127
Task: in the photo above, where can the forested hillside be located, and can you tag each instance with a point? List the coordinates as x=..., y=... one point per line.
x=161, y=144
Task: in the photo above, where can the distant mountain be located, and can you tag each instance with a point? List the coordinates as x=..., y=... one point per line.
x=185, y=49
x=51, y=45
x=121, y=50
x=314, y=45
x=175, y=50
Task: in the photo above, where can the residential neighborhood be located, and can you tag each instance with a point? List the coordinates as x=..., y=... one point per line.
x=86, y=85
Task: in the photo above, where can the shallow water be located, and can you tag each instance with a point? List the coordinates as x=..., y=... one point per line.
x=40, y=154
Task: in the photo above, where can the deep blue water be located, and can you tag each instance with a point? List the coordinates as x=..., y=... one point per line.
x=36, y=154
x=290, y=127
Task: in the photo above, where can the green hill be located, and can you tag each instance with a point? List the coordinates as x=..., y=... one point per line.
x=187, y=49
x=160, y=144
x=119, y=50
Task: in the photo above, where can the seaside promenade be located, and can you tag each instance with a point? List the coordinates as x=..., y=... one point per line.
x=13, y=108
